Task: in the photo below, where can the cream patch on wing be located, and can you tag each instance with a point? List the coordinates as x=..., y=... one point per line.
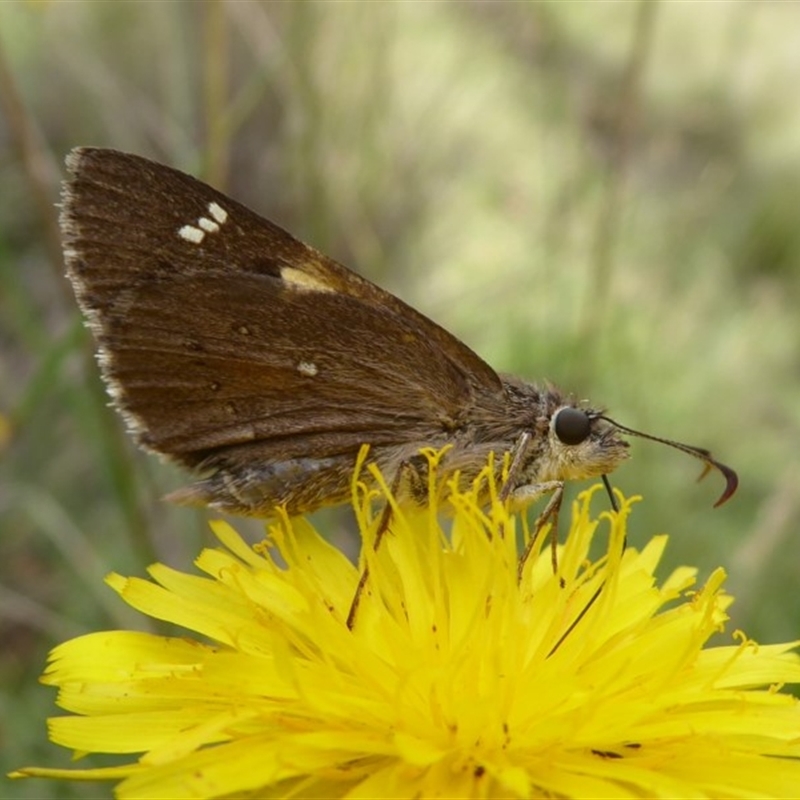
x=304, y=281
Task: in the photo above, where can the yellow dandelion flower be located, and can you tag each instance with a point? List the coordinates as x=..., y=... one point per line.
x=457, y=680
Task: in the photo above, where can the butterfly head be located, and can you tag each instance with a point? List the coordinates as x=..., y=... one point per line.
x=580, y=444
x=583, y=443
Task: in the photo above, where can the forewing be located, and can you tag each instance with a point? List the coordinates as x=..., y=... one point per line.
x=217, y=328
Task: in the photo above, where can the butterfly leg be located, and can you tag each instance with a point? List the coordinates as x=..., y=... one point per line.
x=550, y=513
x=517, y=459
x=522, y=496
x=383, y=526
x=405, y=472
x=354, y=603
x=525, y=495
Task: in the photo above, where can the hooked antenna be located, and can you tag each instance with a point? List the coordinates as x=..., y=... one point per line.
x=731, y=478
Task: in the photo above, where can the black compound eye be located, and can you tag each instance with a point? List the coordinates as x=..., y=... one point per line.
x=572, y=426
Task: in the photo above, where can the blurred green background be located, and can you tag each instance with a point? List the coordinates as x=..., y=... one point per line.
x=604, y=195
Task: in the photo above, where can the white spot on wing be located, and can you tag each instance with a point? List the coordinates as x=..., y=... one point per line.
x=308, y=368
x=218, y=212
x=191, y=234
x=208, y=224
x=196, y=233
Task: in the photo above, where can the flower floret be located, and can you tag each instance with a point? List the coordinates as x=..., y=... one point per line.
x=464, y=674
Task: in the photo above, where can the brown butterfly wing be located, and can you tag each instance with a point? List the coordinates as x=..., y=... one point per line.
x=217, y=328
